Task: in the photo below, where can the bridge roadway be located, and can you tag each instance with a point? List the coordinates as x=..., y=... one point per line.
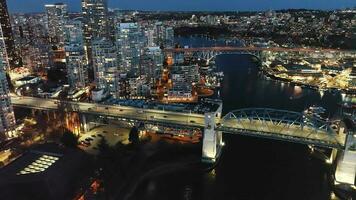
x=275, y=49
x=248, y=126
x=125, y=112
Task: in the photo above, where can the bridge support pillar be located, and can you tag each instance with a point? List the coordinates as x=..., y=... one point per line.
x=212, y=140
x=345, y=173
x=33, y=112
x=83, y=123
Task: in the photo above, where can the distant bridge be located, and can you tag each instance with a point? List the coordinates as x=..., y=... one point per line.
x=274, y=49
x=207, y=53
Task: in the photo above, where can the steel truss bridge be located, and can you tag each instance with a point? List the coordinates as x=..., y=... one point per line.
x=258, y=122
x=208, y=53
x=281, y=125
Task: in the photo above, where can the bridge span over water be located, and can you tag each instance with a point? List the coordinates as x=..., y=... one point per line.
x=256, y=122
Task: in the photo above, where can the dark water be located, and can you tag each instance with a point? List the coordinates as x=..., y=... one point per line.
x=252, y=168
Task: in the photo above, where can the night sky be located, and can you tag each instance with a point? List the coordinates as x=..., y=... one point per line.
x=187, y=5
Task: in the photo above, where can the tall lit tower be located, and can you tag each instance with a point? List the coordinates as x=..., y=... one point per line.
x=76, y=59
x=105, y=64
x=95, y=22
x=76, y=65
x=129, y=41
x=57, y=16
x=7, y=117
x=7, y=34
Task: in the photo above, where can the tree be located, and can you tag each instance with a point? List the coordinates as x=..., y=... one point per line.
x=133, y=135
x=69, y=139
x=103, y=147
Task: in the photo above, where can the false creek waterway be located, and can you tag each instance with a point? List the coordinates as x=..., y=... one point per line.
x=251, y=168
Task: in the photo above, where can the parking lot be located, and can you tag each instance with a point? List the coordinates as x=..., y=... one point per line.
x=112, y=133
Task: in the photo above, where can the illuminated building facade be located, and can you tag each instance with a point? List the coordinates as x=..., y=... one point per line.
x=76, y=66
x=151, y=64
x=57, y=16
x=105, y=64
x=183, y=80
x=130, y=42
x=7, y=117
x=73, y=32
x=7, y=34
x=95, y=22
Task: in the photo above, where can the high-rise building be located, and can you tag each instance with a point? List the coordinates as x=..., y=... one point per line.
x=160, y=34
x=95, y=22
x=183, y=79
x=105, y=64
x=57, y=16
x=169, y=37
x=7, y=117
x=76, y=66
x=76, y=58
x=73, y=32
x=150, y=36
x=151, y=65
x=130, y=42
x=3, y=53
x=7, y=34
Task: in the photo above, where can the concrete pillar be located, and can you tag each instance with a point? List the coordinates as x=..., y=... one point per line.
x=83, y=123
x=212, y=140
x=33, y=112
x=346, y=166
x=47, y=113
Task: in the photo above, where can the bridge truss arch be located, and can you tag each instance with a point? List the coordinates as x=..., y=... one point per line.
x=209, y=55
x=282, y=125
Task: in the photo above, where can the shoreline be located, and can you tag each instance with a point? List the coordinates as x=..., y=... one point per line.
x=313, y=87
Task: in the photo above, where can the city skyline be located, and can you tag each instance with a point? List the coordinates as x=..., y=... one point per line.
x=175, y=5
x=99, y=103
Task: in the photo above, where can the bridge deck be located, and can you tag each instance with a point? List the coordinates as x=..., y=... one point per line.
x=125, y=112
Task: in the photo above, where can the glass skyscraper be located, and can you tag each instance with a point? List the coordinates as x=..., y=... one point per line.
x=7, y=117
x=7, y=34
x=57, y=16
x=95, y=22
